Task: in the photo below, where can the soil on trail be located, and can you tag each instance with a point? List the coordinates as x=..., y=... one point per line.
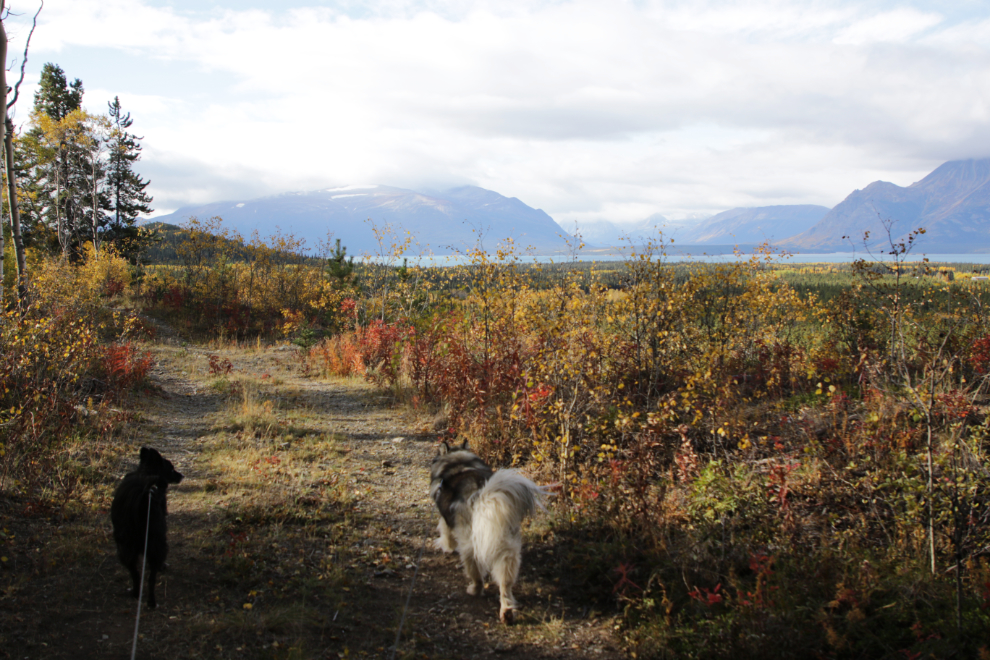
x=297, y=532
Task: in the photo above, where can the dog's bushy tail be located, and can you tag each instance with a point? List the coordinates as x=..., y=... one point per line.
x=499, y=509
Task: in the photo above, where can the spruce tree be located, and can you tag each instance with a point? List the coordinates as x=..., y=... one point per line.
x=55, y=96
x=124, y=188
x=338, y=267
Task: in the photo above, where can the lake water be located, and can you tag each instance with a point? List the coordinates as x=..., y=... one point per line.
x=834, y=258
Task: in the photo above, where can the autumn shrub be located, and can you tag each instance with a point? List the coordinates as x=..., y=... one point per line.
x=64, y=358
x=737, y=460
x=979, y=355
x=340, y=356
x=224, y=286
x=469, y=361
x=123, y=366
x=737, y=463
x=104, y=273
x=43, y=363
x=220, y=367
x=380, y=346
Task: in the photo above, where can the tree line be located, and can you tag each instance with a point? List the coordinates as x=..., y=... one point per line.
x=71, y=179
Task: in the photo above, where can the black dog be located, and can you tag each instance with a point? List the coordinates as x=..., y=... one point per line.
x=131, y=517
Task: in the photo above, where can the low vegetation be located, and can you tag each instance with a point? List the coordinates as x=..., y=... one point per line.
x=754, y=459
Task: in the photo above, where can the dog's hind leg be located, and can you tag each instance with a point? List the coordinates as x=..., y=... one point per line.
x=152, y=578
x=130, y=562
x=475, y=583
x=135, y=578
x=504, y=572
x=464, y=543
x=473, y=572
x=157, y=553
x=446, y=541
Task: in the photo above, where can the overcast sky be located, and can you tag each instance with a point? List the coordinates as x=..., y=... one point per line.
x=586, y=109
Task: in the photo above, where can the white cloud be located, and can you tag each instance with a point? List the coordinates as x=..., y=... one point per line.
x=589, y=107
x=896, y=26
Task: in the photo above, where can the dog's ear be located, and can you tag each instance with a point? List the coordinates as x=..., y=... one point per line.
x=444, y=448
x=464, y=444
x=153, y=462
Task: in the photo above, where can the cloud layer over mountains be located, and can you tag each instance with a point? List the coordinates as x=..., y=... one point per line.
x=952, y=203
x=585, y=108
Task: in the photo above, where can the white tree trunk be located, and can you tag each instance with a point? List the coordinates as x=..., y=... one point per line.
x=3, y=127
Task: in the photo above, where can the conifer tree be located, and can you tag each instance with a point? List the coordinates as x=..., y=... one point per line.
x=124, y=188
x=55, y=97
x=338, y=266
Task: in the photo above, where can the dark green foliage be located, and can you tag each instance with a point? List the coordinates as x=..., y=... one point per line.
x=34, y=232
x=339, y=267
x=124, y=188
x=55, y=96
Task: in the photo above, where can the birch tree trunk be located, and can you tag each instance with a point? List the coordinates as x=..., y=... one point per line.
x=15, y=211
x=3, y=129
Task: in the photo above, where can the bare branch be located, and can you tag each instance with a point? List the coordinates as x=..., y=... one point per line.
x=17, y=87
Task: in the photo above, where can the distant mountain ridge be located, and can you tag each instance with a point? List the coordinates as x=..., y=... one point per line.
x=604, y=233
x=952, y=204
x=754, y=225
x=744, y=227
x=451, y=220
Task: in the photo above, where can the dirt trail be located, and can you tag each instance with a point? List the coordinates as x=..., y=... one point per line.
x=321, y=581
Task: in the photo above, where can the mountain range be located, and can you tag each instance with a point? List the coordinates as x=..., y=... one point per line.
x=952, y=204
x=754, y=225
x=454, y=220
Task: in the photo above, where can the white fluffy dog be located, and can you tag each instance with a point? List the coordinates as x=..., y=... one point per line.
x=481, y=518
